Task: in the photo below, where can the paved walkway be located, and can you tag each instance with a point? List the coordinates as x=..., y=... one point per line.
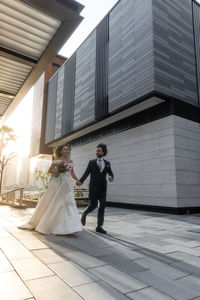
x=144, y=256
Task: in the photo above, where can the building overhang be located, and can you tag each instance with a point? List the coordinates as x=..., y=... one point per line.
x=31, y=34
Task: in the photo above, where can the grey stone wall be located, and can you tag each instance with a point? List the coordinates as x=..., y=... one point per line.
x=154, y=164
x=143, y=162
x=187, y=152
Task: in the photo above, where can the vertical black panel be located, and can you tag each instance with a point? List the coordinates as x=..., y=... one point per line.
x=69, y=92
x=101, y=105
x=51, y=110
x=196, y=24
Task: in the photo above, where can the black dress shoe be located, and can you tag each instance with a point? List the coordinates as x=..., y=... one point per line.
x=83, y=219
x=100, y=230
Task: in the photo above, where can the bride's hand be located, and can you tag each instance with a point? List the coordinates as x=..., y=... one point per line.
x=56, y=174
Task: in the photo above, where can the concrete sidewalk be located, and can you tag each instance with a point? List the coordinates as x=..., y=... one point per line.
x=144, y=256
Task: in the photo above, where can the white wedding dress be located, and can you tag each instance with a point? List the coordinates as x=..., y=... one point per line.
x=56, y=212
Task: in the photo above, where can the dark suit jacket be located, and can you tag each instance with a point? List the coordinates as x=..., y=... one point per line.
x=97, y=179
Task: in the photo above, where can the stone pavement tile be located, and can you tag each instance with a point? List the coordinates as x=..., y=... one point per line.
x=166, y=286
x=47, y=256
x=99, y=291
x=160, y=249
x=119, y=240
x=148, y=294
x=33, y=244
x=89, y=243
x=187, y=267
x=119, y=233
x=191, y=281
x=51, y=288
x=57, y=243
x=190, y=259
x=162, y=269
x=8, y=240
x=193, y=251
x=84, y=260
x=97, y=251
x=167, y=259
x=122, y=263
x=117, y=279
x=3, y=232
x=155, y=240
x=122, y=250
x=197, y=249
x=31, y=268
x=14, y=249
x=5, y=266
x=72, y=274
x=130, y=254
x=22, y=234
x=12, y=287
x=183, y=242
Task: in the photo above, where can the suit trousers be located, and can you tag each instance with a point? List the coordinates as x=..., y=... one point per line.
x=94, y=198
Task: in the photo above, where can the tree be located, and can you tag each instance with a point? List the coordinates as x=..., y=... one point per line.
x=44, y=176
x=6, y=135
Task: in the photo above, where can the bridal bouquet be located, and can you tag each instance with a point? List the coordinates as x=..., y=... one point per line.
x=63, y=167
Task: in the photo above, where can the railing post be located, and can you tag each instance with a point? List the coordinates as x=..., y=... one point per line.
x=21, y=197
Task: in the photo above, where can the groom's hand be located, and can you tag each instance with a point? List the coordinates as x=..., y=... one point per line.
x=110, y=179
x=78, y=183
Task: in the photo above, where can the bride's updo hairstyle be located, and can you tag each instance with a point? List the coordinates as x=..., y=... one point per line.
x=59, y=149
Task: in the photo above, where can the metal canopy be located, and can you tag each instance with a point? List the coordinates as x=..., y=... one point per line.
x=31, y=34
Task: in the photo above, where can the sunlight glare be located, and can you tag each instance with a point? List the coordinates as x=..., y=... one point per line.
x=20, y=121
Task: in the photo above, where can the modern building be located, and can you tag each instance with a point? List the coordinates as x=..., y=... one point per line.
x=134, y=84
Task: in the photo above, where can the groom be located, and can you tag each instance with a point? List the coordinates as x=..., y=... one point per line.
x=98, y=169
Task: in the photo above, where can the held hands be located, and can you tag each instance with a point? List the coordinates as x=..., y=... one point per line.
x=110, y=179
x=78, y=183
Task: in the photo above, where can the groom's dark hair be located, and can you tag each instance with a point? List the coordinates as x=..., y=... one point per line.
x=104, y=148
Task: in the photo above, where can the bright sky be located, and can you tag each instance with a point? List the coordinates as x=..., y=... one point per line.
x=93, y=13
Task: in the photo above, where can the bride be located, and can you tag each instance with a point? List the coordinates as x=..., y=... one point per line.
x=56, y=212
